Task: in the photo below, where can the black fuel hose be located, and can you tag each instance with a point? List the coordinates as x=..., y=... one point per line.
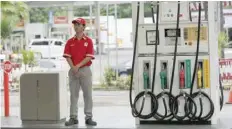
x=211, y=111
x=158, y=116
x=188, y=99
x=166, y=114
x=172, y=104
x=152, y=12
x=155, y=105
x=193, y=116
x=143, y=94
x=156, y=46
x=197, y=50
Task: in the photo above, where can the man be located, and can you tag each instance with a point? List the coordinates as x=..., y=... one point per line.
x=79, y=52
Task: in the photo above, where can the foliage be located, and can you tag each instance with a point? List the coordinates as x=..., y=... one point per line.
x=108, y=76
x=41, y=14
x=25, y=59
x=28, y=58
x=31, y=57
x=12, y=12
x=6, y=28
x=123, y=10
x=103, y=84
x=110, y=82
x=222, y=43
x=17, y=9
x=123, y=83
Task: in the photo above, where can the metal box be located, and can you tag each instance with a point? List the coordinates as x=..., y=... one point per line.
x=43, y=97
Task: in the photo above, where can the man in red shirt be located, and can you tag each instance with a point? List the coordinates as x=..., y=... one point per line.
x=79, y=52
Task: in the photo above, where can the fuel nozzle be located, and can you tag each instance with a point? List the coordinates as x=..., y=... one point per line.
x=146, y=77
x=163, y=77
x=146, y=80
x=182, y=77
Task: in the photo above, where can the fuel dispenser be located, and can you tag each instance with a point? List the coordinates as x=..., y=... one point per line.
x=174, y=70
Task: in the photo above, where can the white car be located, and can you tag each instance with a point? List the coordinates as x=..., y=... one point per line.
x=48, y=48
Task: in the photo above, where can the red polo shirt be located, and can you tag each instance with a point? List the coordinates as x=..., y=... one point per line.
x=78, y=49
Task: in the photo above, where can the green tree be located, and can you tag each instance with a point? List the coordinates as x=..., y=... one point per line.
x=12, y=12
x=28, y=59
x=31, y=59
x=222, y=43
x=123, y=10
x=6, y=28
x=17, y=10
x=41, y=14
x=109, y=75
x=25, y=59
x=82, y=11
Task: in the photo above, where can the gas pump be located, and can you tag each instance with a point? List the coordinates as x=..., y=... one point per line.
x=175, y=50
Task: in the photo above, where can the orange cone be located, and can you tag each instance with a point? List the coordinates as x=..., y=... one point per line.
x=230, y=96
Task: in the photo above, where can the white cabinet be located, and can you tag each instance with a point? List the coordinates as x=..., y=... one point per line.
x=43, y=97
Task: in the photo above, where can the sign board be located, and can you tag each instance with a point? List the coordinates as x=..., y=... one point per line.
x=194, y=6
x=226, y=71
x=61, y=20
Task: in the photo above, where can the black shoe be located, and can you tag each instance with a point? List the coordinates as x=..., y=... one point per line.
x=90, y=122
x=71, y=121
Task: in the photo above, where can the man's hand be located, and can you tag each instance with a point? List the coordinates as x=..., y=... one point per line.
x=75, y=69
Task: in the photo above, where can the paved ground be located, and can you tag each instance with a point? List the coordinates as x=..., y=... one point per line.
x=120, y=117
x=111, y=110
x=100, y=98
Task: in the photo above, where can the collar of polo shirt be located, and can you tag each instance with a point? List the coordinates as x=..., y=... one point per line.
x=83, y=36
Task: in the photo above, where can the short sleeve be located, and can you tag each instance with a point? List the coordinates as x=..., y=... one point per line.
x=90, y=49
x=67, y=52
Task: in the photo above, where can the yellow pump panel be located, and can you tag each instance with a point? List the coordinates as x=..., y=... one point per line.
x=206, y=73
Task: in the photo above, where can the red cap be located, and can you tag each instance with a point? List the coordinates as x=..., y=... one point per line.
x=79, y=20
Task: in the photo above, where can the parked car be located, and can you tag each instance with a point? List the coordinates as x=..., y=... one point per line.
x=124, y=68
x=52, y=48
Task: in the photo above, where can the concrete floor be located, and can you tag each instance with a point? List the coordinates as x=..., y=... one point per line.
x=115, y=113
x=118, y=117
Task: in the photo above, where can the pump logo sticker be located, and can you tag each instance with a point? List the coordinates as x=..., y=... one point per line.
x=85, y=44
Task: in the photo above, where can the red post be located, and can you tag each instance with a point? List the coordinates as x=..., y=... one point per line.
x=7, y=68
x=6, y=93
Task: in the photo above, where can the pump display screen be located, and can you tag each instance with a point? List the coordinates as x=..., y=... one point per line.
x=170, y=36
x=151, y=37
x=172, y=33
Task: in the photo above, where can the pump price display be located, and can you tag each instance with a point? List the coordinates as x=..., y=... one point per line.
x=190, y=34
